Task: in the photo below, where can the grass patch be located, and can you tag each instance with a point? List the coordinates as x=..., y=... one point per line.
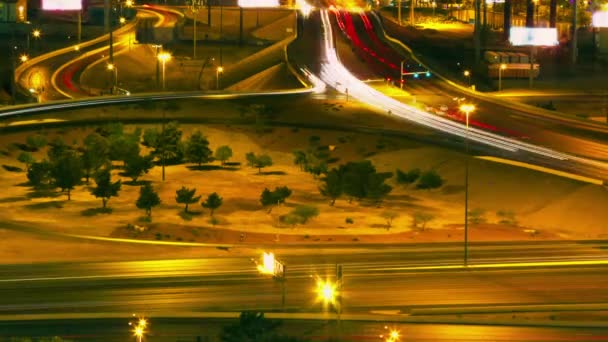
x=145, y=219
x=25, y=147
x=46, y=205
x=272, y=173
x=136, y=183
x=11, y=168
x=185, y=216
x=96, y=211
x=42, y=193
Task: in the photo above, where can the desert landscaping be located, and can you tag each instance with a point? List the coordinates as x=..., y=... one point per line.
x=506, y=202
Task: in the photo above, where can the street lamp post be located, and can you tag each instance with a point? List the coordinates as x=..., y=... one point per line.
x=275, y=268
x=158, y=47
x=500, y=69
x=399, y=12
x=218, y=71
x=467, y=74
x=467, y=109
x=36, y=34
x=401, y=75
x=163, y=57
x=434, y=4
x=113, y=67
x=195, y=7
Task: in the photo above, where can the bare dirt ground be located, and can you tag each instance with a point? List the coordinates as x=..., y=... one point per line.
x=545, y=206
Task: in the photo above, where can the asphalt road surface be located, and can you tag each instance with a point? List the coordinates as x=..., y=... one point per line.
x=187, y=330
x=543, y=132
x=387, y=278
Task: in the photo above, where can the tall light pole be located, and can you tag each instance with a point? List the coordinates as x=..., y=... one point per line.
x=467, y=74
x=194, y=7
x=112, y=67
x=218, y=72
x=36, y=34
x=163, y=57
x=412, y=18
x=158, y=47
x=401, y=75
x=399, y=12
x=466, y=109
x=500, y=69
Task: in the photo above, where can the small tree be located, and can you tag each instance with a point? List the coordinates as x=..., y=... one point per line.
x=186, y=196
x=281, y=193
x=305, y=212
x=506, y=217
x=39, y=173
x=477, y=216
x=389, y=216
x=258, y=162
x=123, y=147
x=36, y=141
x=270, y=198
x=67, y=172
x=407, y=178
x=136, y=166
x=105, y=189
x=57, y=149
x=267, y=198
x=212, y=202
x=422, y=218
x=148, y=198
x=331, y=186
x=299, y=158
x=223, y=153
x=27, y=159
x=429, y=180
x=197, y=149
x=95, y=154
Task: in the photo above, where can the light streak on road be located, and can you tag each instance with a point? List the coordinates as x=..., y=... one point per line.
x=336, y=75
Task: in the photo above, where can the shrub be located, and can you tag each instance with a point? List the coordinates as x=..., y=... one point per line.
x=421, y=218
x=477, y=216
x=429, y=180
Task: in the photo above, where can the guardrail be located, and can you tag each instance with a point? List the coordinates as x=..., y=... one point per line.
x=32, y=109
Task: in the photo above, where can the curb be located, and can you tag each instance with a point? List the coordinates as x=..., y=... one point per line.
x=309, y=317
x=508, y=309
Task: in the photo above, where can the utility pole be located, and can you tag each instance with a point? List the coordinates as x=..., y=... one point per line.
x=477, y=32
x=399, y=12
x=573, y=40
x=412, y=18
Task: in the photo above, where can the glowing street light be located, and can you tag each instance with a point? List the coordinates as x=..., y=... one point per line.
x=467, y=109
x=122, y=20
x=138, y=332
x=219, y=71
x=140, y=329
x=467, y=74
x=23, y=58
x=393, y=336
x=36, y=33
x=500, y=69
x=129, y=3
x=326, y=291
x=268, y=264
x=112, y=67
x=164, y=57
